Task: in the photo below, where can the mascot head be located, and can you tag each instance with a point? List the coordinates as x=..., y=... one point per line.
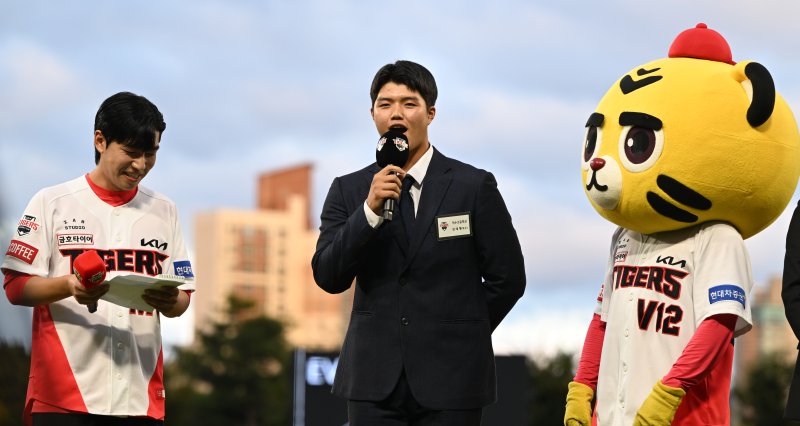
x=692, y=138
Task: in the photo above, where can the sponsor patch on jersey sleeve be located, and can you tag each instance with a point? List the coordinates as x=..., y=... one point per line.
x=183, y=268
x=726, y=292
x=22, y=251
x=27, y=225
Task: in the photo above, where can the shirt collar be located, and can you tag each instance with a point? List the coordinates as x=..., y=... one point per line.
x=420, y=168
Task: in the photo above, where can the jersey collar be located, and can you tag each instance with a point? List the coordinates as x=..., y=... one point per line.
x=113, y=198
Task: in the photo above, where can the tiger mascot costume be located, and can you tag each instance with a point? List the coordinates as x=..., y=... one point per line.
x=688, y=155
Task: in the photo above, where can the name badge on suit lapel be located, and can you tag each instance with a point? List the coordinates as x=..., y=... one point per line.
x=456, y=225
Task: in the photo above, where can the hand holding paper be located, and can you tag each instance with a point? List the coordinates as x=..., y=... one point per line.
x=130, y=291
x=162, y=299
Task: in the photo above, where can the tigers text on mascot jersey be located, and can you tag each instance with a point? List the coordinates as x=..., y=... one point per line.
x=688, y=155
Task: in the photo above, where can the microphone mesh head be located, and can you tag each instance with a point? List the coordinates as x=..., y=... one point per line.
x=392, y=149
x=89, y=268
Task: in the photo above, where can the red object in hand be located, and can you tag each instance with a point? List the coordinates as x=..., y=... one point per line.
x=90, y=270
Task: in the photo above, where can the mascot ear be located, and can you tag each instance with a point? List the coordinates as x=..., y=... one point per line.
x=760, y=88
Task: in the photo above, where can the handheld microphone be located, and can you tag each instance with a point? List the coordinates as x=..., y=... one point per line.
x=90, y=270
x=392, y=149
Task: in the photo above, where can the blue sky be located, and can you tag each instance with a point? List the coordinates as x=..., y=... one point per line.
x=251, y=86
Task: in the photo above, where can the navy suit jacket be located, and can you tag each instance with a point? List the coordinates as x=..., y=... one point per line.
x=791, y=303
x=421, y=304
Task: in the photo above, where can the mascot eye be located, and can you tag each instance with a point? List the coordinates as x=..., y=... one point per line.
x=591, y=144
x=640, y=147
x=639, y=144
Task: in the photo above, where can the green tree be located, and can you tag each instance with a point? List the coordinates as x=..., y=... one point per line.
x=762, y=398
x=14, y=377
x=548, y=390
x=236, y=373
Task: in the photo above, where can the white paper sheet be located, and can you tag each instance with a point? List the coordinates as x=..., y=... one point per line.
x=127, y=290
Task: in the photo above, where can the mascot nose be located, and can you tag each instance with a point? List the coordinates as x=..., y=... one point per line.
x=597, y=164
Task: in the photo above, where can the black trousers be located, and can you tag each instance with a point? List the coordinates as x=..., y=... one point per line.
x=401, y=409
x=64, y=419
x=793, y=403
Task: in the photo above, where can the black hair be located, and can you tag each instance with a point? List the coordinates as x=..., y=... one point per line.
x=129, y=119
x=412, y=75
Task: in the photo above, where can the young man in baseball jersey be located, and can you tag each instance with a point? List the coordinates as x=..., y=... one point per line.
x=689, y=155
x=102, y=367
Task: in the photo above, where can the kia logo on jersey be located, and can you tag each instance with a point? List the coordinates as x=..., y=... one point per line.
x=154, y=244
x=669, y=260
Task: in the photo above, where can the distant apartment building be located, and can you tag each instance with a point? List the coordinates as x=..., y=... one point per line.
x=771, y=333
x=264, y=255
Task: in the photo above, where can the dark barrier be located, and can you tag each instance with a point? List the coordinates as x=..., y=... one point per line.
x=314, y=405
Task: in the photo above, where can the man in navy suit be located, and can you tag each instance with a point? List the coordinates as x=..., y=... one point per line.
x=791, y=303
x=430, y=285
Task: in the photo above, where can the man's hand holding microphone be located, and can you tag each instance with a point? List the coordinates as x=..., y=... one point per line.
x=87, y=280
x=391, y=155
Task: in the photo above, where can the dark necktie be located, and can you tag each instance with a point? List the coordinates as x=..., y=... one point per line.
x=407, y=204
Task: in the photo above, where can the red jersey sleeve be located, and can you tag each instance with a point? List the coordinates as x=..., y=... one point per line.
x=701, y=353
x=589, y=364
x=13, y=283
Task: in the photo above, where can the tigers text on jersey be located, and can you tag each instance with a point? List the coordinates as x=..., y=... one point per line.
x=108, y=362
x=658, y=289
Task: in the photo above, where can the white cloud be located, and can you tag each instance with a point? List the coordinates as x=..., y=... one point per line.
x=543, y=333
x=37, y=83
x=26, y=168
x=564, y=245
x=519, y=120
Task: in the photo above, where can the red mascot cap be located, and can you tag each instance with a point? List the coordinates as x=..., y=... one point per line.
x=701, y=42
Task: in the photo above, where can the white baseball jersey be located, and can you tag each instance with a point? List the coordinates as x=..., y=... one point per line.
x=658, y=289
x=108, y=362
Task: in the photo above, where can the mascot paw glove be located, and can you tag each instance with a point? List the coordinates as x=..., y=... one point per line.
x=660, y=406
x=579, y=405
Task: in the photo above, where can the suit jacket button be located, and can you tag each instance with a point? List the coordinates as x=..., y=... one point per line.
x=404, y=321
